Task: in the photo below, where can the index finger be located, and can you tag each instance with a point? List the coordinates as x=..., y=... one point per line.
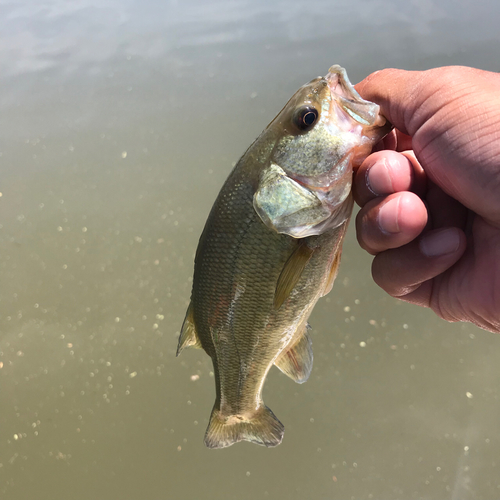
x=387, y=172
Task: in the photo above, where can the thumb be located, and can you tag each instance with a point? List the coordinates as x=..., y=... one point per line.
x=409, y=98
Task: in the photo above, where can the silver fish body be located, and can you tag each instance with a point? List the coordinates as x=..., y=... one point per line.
x=271, y=248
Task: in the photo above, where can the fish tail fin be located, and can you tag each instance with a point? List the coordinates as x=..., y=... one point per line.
x=262, y=428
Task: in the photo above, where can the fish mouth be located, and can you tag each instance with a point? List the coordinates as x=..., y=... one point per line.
x=347, y=99
x=341, y=86
x=339, y=83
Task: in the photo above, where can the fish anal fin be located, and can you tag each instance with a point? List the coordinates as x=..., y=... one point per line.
x=262, y=428
x=291, y=273
x=297, y=361
x=188, y=336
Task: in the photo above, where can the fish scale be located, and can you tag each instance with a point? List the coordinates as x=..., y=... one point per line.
x=271, y=248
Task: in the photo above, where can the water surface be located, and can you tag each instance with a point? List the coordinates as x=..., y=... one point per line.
x=119, y=122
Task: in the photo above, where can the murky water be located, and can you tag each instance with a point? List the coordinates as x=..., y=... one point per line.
x=118, y=123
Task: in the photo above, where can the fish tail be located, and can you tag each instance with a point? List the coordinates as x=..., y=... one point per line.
x=262, y=428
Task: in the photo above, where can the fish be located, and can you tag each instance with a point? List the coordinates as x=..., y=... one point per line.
x=271, y=248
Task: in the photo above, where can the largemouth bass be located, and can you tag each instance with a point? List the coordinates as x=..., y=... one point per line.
x=271, y=248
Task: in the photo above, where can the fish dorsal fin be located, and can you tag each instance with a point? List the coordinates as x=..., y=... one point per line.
x=291, y=273
x=297, y=361
x=188, y=336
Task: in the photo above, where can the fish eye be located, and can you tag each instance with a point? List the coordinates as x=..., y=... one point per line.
x=305, y=117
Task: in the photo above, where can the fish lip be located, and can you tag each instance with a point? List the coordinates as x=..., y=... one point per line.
x=349, y=102
x=341, y=86
x=339, y=83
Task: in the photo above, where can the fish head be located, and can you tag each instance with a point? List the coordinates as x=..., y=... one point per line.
x=324, y=131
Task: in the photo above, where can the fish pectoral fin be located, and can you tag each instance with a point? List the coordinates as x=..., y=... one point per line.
x=262, y=428
x=297, y=361
x=291, y=273
x=188, y=336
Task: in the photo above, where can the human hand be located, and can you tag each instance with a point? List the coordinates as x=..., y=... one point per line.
x=431, y=199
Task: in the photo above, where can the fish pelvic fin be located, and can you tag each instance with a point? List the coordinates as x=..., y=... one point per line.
x=297, y=361
x=262, y=428
x=188, y=336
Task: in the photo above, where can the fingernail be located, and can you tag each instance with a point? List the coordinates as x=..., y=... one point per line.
x=388, y=216
x=378, y=178
x=441, y=242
